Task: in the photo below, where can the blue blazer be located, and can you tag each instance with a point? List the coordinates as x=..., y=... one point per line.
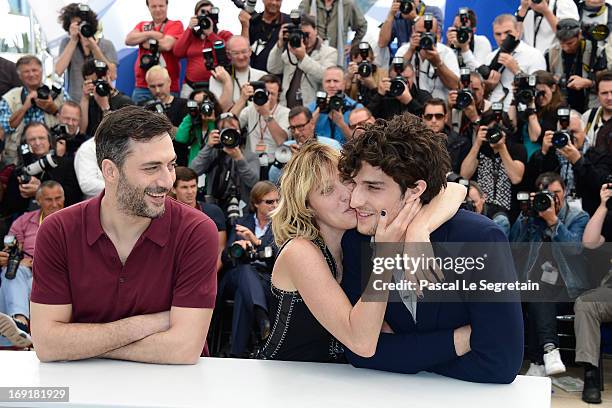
x=497, y=328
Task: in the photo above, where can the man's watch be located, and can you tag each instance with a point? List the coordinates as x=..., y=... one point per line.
x=268, y=118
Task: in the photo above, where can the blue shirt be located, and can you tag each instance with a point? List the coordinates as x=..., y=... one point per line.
x=402, y=28
x=326, y=127
x=34, y=114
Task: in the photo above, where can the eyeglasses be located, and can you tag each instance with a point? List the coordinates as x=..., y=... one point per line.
x=270, y=202
x=238, y=53
x=298, y=127
x=430, y=116
x=359, y=124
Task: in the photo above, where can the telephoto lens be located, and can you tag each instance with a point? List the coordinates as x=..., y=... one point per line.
x=43, y=92
x=207, y=108
x=364, y=69
x=260, y=94
x=542, y=201
x=230, y=138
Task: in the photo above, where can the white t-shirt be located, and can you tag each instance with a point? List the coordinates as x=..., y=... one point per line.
x=482, y=48
x=545, y=35
x=238, y=80
x=254, y=123
x=428, y=79
x=529, y=60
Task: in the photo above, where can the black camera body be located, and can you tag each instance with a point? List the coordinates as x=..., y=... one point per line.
x=406, y=6
x=428, y=39
x=260, y=94
x=465, y=97
x=464, y=32
x=209, y=58
x=15, y=255
x=147, y=61
x=238, y=253
x=495, y=133
x=206, y=21
x=540, y=202
x=508, y=46
x=294, y=34
x=562, y=137
x=43, y=92
x=525, y=88
x=155, y=106
x=60, y=132
x=102, y=87
x=337, y=102
x=85, y=27
x=230, y=138
x=365, y=68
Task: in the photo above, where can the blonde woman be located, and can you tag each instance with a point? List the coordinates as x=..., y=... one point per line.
x=312, y=319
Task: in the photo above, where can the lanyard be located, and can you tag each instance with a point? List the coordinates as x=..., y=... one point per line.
x=537, y=27
x=236, y=78
x=263, y=129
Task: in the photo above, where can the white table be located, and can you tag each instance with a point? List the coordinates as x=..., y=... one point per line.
x=216, y=382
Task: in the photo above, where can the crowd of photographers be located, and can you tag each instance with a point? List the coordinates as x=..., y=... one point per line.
x=527, y=125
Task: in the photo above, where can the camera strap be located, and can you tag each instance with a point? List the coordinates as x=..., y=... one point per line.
x=537, y=26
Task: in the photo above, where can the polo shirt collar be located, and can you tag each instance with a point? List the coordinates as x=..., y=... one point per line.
x=158, y=230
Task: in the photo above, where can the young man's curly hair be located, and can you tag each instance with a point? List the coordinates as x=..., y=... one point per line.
x=405, y=149
x=72, y=10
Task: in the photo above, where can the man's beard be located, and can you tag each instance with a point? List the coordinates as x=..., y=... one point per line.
x=131, y=199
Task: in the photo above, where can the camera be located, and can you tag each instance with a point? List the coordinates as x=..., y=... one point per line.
x=209, y=59
x=508, y=46
x=207, y=107
x=282, y=155
x=33, y=166
x=562, y=137
x=398, y=84
x=59, y=132
x=336, y=102
x=294, y=34
x=365, y=68
x=102, y=88
x=248, y=5
x=428, y=39
x=495, y=133
x=221, y=54
x=206, y=21
x=233, y=210
x=541, y=201
x=464, y=32
x=193, y=108
x=155, y=106
x=43, y=92
x=260, y=94
x=525, y=88
x=406, y=6
x=595, y=32
x=238, y=253
x=85, y=27
x=464, y=96
x=150, y=60
x=15, y=255
x=230, y=138
x=321, y=101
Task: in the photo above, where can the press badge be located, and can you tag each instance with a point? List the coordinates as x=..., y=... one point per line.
x=261, y=148
x=550, y=274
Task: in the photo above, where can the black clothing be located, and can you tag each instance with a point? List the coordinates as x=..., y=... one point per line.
x=385, y=107
x=95, y=114
x=296, y=334
x=263, y=37
x=458, y=147
x=8, y=77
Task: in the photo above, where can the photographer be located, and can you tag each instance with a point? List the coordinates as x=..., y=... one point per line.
x=465, y=115
x=16, y=262
x=572, y=60
x=196, y=127
x=436, y=65
x=596, y=12
x=159, y=83
x=596, y=117
x=400, y=21
x=227, y=85
x=262, y=30
x=98, y=96
x=162, y=34
x=478, y=198
x=461, y=36
x=538, y=20
x=496, y=164
x=81, y=24
x=363, y=75
x=68, y=137
x=231, y=172
x=398, y=94
x=554, y=232
x=37, y=151
x=302, y=67
x=267, y=124
x=332, y=112
x=32, y=102
x=458, y=146
x=200, y=34
x=358, y=118
x=185, y=190
x=333, y=18
x=247, y=280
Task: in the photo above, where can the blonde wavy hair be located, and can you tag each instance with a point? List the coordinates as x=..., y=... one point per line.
x=314, y=167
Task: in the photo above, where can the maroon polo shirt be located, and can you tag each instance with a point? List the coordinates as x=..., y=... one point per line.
x=172, y=264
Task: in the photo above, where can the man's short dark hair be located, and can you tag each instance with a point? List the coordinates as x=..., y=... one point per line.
x=297, y=110
x=471, y=17
x=89, y=67
x=26, y=60
x=405, y=149
x=118, y=128
x=272, y=79
x=184, y=174
x=545, y=179
x=435, y=102
x=308, y=20
x=603, y=76
x=71, y=11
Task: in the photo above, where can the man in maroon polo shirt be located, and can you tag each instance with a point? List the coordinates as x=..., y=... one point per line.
x=130, y=274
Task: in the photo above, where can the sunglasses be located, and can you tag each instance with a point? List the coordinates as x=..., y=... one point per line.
x=270, y=202
x=430, y=116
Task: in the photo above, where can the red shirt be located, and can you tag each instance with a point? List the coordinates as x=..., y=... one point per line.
x=191, y=47
x=171, y=28
x=174, y=263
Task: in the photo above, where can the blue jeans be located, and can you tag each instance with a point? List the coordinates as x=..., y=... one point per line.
x=15, y=295
x=502, y=221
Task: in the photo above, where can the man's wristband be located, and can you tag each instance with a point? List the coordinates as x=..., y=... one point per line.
x=268, y=119
x=519, y=18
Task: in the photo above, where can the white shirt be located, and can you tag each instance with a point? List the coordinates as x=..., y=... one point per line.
x=428, y=79
x=545, y=35
x=254, y=123
x=529, y=60
x=482, y=48
x=238, y=80
x=87, y=171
